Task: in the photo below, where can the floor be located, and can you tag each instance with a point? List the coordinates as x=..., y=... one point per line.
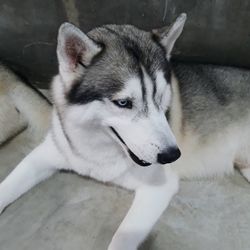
x=70, y=212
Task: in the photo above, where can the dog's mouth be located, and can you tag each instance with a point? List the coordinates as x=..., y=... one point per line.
x=135, y=158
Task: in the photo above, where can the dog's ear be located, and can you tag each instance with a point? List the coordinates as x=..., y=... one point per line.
x=75, y=50
x=169, y=34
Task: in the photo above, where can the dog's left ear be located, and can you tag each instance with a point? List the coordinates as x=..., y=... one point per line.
x=169, y=34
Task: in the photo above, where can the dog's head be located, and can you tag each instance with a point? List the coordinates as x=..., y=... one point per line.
x=118, y=78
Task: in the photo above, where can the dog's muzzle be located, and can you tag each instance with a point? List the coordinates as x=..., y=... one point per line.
x=135, y=158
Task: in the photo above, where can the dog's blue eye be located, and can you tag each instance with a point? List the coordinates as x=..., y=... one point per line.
x=123, y=103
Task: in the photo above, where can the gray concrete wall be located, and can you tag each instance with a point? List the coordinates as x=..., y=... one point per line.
x=217, y=31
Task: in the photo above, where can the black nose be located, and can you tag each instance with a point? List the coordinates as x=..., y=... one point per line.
x=169, y=155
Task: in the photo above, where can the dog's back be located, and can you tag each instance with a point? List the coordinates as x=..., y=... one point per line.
x=215, y=118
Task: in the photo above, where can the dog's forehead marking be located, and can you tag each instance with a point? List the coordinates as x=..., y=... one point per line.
x=149, y=88
x=158, y=91
x=150, y=92
x=132, y=87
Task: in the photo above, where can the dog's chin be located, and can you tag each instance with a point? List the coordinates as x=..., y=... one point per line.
x=134, y=157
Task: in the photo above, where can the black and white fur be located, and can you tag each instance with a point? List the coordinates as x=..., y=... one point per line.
x=111, y=96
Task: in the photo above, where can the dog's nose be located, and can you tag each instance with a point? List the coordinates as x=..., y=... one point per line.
x=169, y=155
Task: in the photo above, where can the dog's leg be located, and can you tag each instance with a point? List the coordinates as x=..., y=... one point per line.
x=34, y=168
x=149, y=203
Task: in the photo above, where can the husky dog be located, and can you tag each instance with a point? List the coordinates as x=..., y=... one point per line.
x=120, y=116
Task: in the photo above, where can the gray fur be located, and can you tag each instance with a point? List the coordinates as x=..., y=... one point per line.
x=212, y=97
